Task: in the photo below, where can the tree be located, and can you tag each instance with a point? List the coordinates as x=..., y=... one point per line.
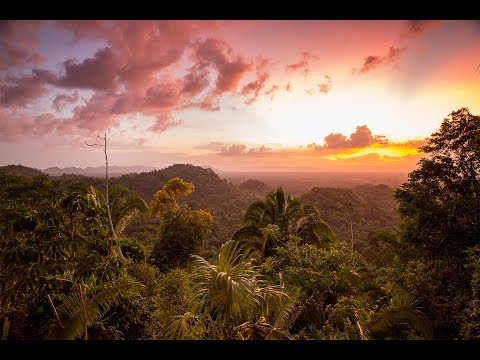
x=401, y=309
x=230, y=297
x=107, y=197
x=266, y=223
x=440, y=209
x=123, y=205
x=180, y=236
x=445, y=187
x=182, y=230
x=53, y=247
x=165, y=201
x=324, y=278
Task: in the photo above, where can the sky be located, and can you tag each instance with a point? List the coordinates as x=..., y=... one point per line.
x=233, y=95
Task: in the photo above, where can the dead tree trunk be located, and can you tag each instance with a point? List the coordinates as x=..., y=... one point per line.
x=118, y=250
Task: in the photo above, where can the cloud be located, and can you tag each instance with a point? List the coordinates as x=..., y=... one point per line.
x=259, y=150
x=254, y=87
x=97, y=73
x=240, y=149
x=20, y=91
x=162, y=123
x=296, y=66
x=303, y=64
x=19, y=44
x=233, y=150
x=374, y=61
x=322, y=88
x=149, y=68
x=326, y=86
x=195, y=81
x=63, y=99
x=418, y=27
x=362, y=137
x=230, y=69
x=14, y=125
x=272, y=91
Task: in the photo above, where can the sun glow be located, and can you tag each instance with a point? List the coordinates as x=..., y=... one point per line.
x=392, y=151
x=301, y=119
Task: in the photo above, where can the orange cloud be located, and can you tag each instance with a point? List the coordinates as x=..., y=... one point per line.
x=370, y=156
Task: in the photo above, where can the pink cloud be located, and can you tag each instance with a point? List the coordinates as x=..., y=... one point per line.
x=136, y=71
x=374, y=61
x=418, y=27
x=240, y=149
x=230, y=69
x=233, y=150
x=163, y=123
x=14, y=126
x=272, y=91
x=20, y=91
x=195, y=81
x=98, y=73
x=303, y=64
x=94, y=115
x=296, y=66
x=253, y=88
x=62, y=99
x=19, y=44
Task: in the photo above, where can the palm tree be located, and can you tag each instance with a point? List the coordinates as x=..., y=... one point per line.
x=278, y=208
x=288, y=216
x=123, y=205
x=400, y=310
x=229, y=293
x=88, y=303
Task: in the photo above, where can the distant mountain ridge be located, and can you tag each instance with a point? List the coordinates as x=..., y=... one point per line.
x=99, y=171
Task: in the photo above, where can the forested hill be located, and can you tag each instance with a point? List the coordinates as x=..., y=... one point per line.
x=371, y=208
x=224, y=200
x=21, y=170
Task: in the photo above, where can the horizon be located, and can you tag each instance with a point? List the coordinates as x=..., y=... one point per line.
x=243, y=96
x=218, y=171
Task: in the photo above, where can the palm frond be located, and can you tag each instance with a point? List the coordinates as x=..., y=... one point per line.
x=180, y=327
x=247, y=232
x=98, y=301
x=400, y=310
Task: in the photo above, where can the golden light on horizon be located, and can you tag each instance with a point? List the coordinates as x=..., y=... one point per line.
x=393, y=150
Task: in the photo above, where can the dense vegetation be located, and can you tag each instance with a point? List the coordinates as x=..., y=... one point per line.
x=189, y=255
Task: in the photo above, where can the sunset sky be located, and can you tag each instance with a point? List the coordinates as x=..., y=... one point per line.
x=234, y=95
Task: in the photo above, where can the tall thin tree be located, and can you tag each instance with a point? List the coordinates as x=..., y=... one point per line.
x=104, y=145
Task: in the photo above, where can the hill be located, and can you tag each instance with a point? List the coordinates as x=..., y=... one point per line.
x=98, y=171
x=374, y=207
x=224, y=200
x=298, y=183
x=21, y=170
